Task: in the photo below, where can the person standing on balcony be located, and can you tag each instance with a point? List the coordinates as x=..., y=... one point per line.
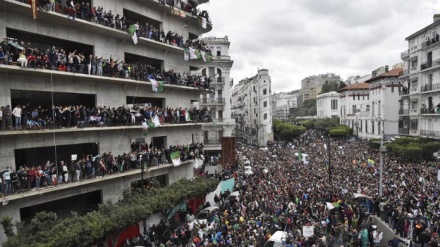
x=17, y=115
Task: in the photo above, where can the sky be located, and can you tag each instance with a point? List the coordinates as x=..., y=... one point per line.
x=294, y=39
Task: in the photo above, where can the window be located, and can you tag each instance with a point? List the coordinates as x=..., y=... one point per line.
x=265, y=115
x=359, y=96
x=265, y=103
x=264, y=91
x=353, y=108
x=372, y=127
x=354, y=97
x=378, y=108
x=334, y=104
x=368, y=107
x=219, y=51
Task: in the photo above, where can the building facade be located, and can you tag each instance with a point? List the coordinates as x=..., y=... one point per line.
x=383, y=117
x=48, y=88
x=252, y=109
x=217, y=136
x=354, y=102
x=283, y=103
x=419, y=95
x=327, y=105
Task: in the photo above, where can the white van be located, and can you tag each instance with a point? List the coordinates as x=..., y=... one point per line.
x=276, y=240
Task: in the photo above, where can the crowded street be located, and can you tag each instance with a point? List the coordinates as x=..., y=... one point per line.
x=290, y=189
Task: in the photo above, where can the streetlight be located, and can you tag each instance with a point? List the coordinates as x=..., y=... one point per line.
x=381, y=149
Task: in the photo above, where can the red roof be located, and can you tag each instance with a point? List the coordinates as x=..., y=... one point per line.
x=361, y=85
x=392, y=73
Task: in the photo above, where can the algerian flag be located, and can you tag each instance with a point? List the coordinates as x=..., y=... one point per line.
x=336, y=204
x=151, y=124
x=300, y=156
x=202, y=22
x=175, y=157
x=187, y=116
x=132, y=32
x=203, y=54
x=156, y=86
x=192, y=53
x=156, y=121
x=198, y=54
x=186, y=54
x=208, y=58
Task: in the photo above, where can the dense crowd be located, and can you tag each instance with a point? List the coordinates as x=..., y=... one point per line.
x=89, y=166
x=29, y=118
x=33, y=55
x=288, y=191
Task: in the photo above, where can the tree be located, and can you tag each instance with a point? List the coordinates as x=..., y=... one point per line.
x=287, y=131
x=342, y=85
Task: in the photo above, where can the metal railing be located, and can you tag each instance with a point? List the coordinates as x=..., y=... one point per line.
x=413, y=131
x=430, y=87
x=403, y=111
x=221, y=57
x=404, y=131
x=211, y=142
x=404, y=92
x=404, y=54
x=430, y=133
x=212, y=101
x=414, y=90
x=428, y=111
x=413, y=111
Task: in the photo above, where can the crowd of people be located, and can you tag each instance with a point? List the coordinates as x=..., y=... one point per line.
x=291, y=188
x=33, y=55
x=89, y=166
x=24, y=117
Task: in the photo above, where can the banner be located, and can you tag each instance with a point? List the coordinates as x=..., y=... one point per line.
x=192, y=53
x=329, y=205
x=34, y=8
x=179, y=12
x=308, y=231
x=175, y=157
x=186, y=54
x=370, y=162
x=187, y=116
x=132, y=32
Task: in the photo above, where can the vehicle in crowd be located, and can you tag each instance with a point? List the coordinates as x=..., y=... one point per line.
x=166, y=235
x=206, y=215
x=234, y=196
x=276, y=240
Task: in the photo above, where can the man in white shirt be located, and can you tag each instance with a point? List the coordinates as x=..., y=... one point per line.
x=17, y=114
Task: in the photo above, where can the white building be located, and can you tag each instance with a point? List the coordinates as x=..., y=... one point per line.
x=382, y=118
x=218, y=100
x=283, y=103
x=354, y=101
x=252, y=109
x=420, y=94
x=357, y=79
x=327, y=105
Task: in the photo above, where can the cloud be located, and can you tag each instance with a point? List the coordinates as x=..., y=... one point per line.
x=295, y=39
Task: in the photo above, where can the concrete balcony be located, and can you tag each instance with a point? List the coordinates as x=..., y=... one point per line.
x=404, y=55
x=430, y=87
x=414, y=90
x=404, y=131
x=430, y=133
x=404, y=73
x=404, y=112
x=60, y=19
x=221, y=58
x=219, y=81
x=428, y=112
x=212, y=102
x=56, y=75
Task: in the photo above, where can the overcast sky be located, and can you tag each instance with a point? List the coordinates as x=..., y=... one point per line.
x=297, y=38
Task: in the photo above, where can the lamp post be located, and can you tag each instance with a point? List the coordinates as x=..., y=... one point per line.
x=381, y=149
x=328, y=156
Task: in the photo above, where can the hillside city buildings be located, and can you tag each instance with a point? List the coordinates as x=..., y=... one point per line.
x=252, y=109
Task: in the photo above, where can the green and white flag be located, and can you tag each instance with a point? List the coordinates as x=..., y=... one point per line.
x=153, y=122
x=186, y=54
x=156, y=86
x=208, y=58
x=175, y=158
x=187, y=116
x=203, y=55
x=192, y=53
x=132, y=32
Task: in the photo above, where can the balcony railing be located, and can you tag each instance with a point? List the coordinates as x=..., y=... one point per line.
x=430, y=133
x=430, y=87
x=404, y=54
x=428, y=111
x=404, y=131
x=413, y=131
x=218, y=120
x=213, y=101
x=211, y=142
x=414, y=69
x=404, y=92
x=222, y=57
x=414, y=90
x=403, y=111
x=429, y=43
x=404, y=72
x=415, y=48
x=413, y=111
x=426, y=65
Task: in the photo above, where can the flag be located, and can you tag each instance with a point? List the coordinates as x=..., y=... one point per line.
x=370, y=162
x=208, y=58
x=203, y=54
x=202, y=22
x=151, y=124
x=198, y=54
x=132, y=32
x=175, y=157
x=300, y=156
x=336, y=204
x=329, y=205
x=192, y=53
x=187, y=116
x=185, y=54
x=156, y=121
x=156, y=86
x=34, y=8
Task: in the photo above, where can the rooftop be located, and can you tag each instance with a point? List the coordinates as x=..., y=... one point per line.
x=360, y=85
x=392, y=73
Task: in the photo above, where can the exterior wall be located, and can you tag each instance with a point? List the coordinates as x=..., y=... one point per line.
x=324, y=105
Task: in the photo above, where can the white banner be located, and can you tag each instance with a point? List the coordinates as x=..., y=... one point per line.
x=308, y=231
